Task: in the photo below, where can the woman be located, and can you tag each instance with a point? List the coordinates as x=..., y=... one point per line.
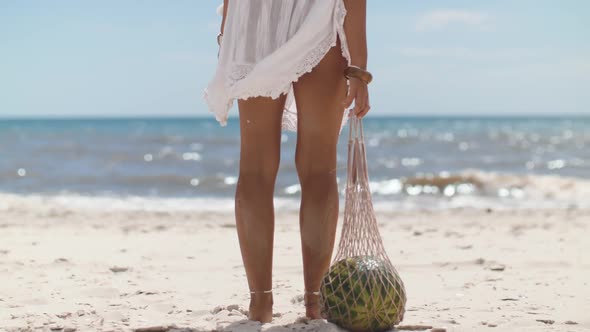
x=288, y=63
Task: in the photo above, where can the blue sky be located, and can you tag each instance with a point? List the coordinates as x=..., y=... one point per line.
x=154, y=58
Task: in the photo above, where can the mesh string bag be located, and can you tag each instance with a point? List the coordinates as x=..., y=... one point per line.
x=362, y=290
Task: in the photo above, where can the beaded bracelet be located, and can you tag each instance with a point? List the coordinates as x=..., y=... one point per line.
x=358, y=72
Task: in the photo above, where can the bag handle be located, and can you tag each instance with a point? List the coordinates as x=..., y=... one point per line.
x=356, y=128
x=357, y=161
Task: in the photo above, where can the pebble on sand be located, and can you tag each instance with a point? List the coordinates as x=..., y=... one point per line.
x=117, y=269
x=497, y=267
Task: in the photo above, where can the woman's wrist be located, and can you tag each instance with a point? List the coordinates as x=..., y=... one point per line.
x=359, y=64
x=359, y=73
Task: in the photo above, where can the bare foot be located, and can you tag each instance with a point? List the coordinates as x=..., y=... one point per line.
x=312, y=306
x=312, y=311
x=261, y=308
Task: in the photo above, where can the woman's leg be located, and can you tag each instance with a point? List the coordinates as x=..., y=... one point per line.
x=319, y=95
x=260, y=139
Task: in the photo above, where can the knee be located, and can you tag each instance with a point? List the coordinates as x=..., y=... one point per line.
x=317, y=179
x=260, y=176
x=317, y=165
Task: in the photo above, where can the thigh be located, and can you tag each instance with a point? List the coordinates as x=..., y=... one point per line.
x=319, y=95
x=260, y=133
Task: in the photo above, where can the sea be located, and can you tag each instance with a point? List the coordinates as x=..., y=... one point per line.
x=193, y=163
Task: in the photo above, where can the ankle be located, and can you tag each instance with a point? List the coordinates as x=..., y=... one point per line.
x=311, y=298
x=261, y=298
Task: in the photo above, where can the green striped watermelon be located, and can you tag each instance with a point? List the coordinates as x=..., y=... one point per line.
x=363, y=293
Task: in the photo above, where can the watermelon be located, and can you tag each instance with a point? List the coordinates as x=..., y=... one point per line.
x=363, y=293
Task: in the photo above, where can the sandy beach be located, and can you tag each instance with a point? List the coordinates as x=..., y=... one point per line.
x=106, y=269
x=125, y=130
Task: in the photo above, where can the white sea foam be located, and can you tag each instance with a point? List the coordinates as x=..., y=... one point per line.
x=468, y=189
x=39, y=202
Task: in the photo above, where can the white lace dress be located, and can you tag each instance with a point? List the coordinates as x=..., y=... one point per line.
x=267, y=45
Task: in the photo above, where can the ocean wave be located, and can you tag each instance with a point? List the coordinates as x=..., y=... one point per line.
x=471, y=189
x=490, y=184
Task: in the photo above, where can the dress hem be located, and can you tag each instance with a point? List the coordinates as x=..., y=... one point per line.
x=285, y=87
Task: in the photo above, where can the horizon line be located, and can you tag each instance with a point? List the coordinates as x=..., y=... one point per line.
x=232, y=118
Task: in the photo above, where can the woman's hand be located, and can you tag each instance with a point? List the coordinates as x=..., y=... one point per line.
x=359, y=93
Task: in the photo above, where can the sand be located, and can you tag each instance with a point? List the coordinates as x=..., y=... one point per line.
x=65, y=269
